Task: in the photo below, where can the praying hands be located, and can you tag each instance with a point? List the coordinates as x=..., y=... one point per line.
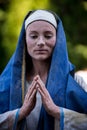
x=30, y=99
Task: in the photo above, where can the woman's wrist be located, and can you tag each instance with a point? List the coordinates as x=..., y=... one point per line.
x=56, y=112
x=21, y=114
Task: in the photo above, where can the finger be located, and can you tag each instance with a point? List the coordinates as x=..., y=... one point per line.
x=42, y=89
x=34, y=81
x=31, y=94
x=36, y=77
x=41, y=92
x=41, y=85
x=31, y=88
x=40, y=82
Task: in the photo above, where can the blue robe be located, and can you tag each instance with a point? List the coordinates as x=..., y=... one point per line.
x=61, y=85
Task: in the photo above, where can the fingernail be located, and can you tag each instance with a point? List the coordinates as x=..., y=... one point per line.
x=37, y=86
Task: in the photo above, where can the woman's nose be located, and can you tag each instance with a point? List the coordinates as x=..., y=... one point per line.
x=41, y=41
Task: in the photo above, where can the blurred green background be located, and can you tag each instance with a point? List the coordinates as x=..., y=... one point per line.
x=72, y=12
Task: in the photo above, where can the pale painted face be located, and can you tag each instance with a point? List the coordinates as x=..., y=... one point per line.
x=40, y=40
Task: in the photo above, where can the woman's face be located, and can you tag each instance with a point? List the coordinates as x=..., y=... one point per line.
x=40, y=40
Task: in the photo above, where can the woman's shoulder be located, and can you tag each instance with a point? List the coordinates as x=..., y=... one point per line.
x=81, y=79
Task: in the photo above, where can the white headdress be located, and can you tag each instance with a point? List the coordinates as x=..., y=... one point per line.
x=41, y=15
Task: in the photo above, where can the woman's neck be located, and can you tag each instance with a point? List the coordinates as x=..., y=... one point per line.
x=40, y=68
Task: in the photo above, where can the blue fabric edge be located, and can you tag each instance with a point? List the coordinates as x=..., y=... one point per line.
x=61, y=119
x=16, y=120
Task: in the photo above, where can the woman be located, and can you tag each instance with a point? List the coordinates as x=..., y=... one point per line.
x=39, y=82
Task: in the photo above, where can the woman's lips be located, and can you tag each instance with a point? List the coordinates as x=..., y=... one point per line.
x=41, y=51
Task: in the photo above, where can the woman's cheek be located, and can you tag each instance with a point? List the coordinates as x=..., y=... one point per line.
x=52, y=43
x=29, y=42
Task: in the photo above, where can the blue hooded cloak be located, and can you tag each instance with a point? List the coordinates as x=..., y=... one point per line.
x=64, y=90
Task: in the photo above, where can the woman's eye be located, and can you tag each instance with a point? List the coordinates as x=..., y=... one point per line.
x=48, y=36
x=33, y=36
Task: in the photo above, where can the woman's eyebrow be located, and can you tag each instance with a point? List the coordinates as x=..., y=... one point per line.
x=32, y=31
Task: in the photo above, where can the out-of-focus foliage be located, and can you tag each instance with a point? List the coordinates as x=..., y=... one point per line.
x=12, y=13
x=72, y=12
x=74, y=16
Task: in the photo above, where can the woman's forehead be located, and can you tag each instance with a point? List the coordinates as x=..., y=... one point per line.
x=41, y=25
